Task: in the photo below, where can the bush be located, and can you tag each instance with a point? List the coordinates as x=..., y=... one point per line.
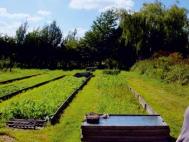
x=111, y=72
x=169, y=69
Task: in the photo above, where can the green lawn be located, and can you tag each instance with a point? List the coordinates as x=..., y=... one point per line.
x=169, y=100
x=103, y=94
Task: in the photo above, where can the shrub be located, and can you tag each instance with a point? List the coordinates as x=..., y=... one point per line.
x=111, y=72
x=169, y=69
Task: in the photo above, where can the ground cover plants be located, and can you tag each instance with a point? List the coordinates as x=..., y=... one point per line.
x=41, y=102
x=6, y=89
x=17, y=73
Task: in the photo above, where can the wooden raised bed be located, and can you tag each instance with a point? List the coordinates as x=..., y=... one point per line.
x=127, y=128
x=55, y=118
x=26, y=123
x=83, y=74
x=38, y=123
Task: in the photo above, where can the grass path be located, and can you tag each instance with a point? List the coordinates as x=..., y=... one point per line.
x=169, y=100
x=103, y=94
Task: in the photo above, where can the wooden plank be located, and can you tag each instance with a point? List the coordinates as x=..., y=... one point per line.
x=125, y=139
x=142, y=101
x=26, y=123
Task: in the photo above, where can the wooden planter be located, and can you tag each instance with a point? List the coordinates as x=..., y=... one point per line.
x=127, y=128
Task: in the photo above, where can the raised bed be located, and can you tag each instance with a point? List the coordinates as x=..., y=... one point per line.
x=127, y=128
x=54, y=119
x=83, y=74
x=26, y=123
x=19, y=78
x=31, y=87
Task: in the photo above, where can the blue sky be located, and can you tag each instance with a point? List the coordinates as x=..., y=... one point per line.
x=69, y=14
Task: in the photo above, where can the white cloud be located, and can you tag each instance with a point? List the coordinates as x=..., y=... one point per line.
x=9, y=29
x=34, y=18
x=44, y=12
x=10, y=21
x=101, y=5
x=5, y=13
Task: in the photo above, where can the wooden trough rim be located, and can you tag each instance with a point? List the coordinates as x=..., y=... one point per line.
x=142, y=101
x=155, y=115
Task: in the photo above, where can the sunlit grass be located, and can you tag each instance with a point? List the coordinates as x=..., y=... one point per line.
x=169, y=100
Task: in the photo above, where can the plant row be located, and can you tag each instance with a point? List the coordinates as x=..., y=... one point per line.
x=18, y=73
x=15, y=86
x=42, y=102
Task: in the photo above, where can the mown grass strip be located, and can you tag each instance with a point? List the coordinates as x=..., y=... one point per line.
x=41, y=102
x=60, y=110
x=169, y=100
x=11, y=89
x=103, y=94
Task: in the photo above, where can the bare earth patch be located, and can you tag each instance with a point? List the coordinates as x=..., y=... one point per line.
x=6, y=138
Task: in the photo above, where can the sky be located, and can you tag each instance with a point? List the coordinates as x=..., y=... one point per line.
x=69, y=14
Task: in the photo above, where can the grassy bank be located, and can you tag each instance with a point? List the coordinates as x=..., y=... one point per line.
x=169, y=100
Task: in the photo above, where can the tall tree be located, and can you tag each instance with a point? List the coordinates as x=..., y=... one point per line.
x=21, y=33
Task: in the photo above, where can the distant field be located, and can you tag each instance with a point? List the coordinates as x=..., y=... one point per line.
x=103, y=94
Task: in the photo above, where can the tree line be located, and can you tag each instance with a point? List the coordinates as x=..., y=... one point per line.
x=117, y=39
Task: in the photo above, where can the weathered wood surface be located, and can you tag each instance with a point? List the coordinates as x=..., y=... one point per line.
x=142, y=102
x=26, y=123
x=156, y=130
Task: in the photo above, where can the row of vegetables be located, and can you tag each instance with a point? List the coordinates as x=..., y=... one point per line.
x=38, y=103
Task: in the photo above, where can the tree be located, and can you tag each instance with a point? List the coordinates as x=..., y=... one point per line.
x=21, y=33
x=101, y=39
